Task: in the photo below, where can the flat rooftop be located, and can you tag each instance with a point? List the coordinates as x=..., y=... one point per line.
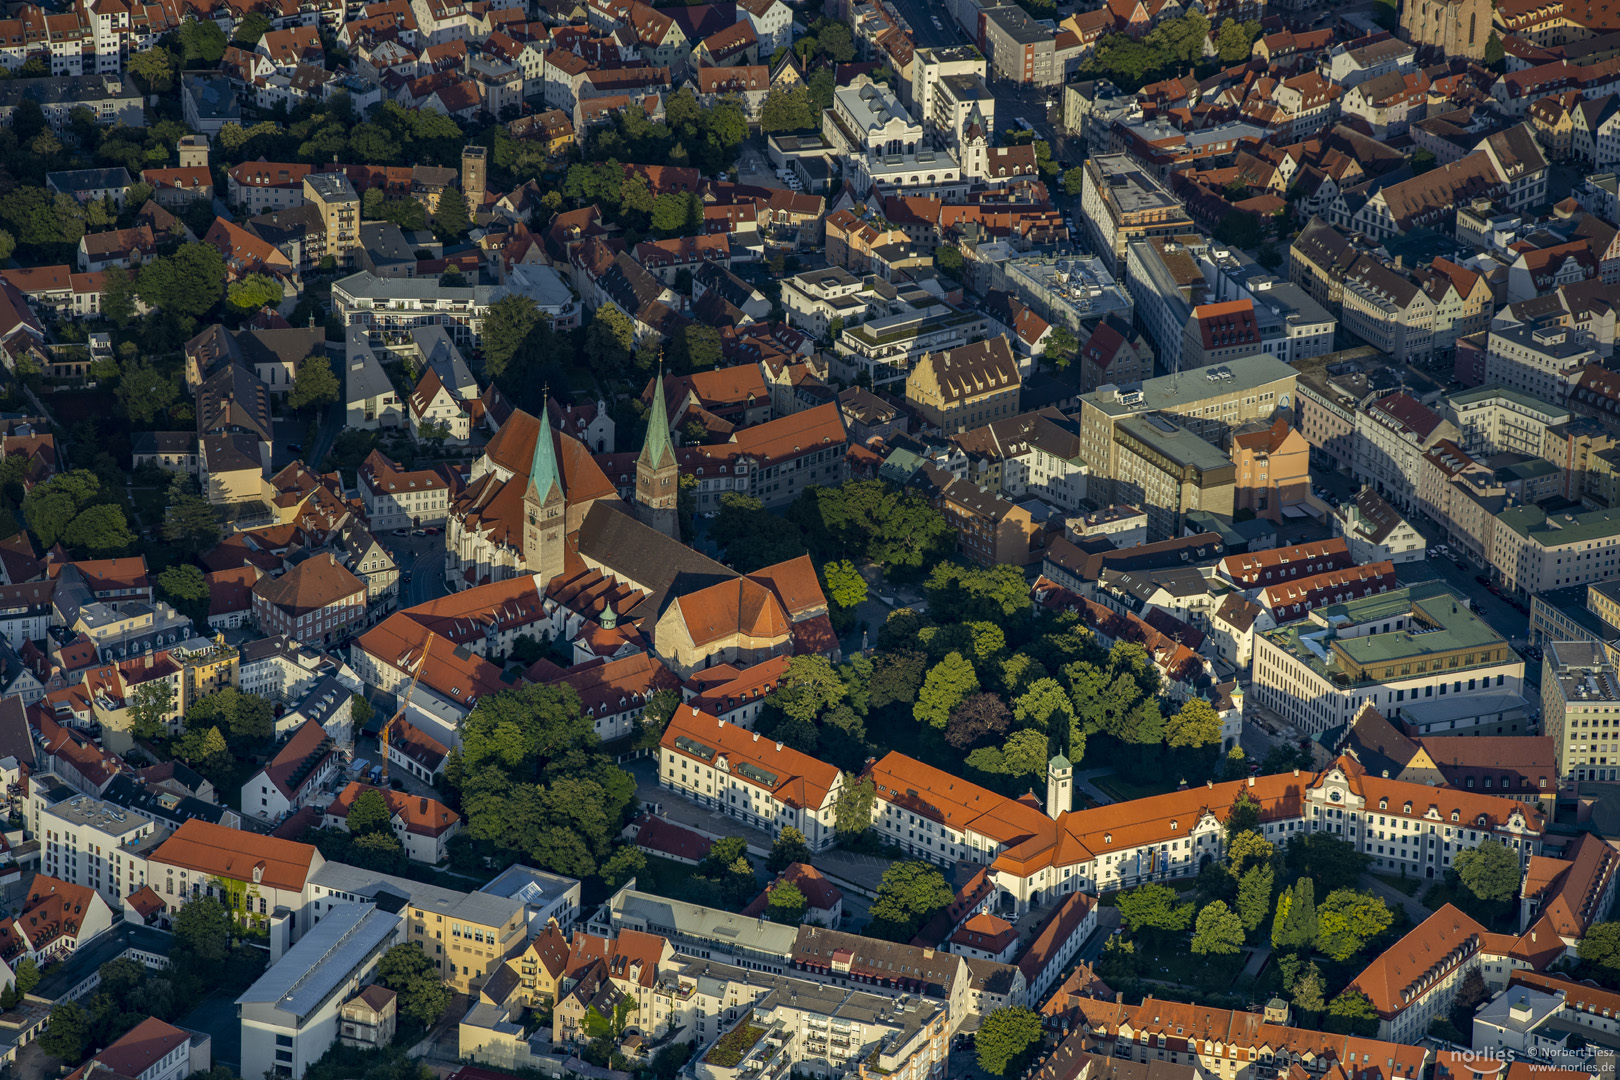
x=1168, y=393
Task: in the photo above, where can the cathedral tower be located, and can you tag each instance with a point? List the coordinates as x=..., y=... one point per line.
x=658, y=479
x=544, y=509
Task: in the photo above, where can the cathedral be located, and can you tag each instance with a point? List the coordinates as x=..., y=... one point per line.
x=530, y=492
x=1459, y=27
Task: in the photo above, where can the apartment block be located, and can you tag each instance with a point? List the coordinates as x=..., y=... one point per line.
x=1580, y=709
x=1122, y=202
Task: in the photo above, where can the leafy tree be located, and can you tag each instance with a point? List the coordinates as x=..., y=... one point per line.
x=908, y=896
x=1061, y=347
x=360, y=711
x=1247, y=849
x=695, y=347
x=314, y=385
x=1195, y=724
x=949, y=682
x=118, y=291
x=185, y=587
x=608, y=340
x=100, y=529
x=1242, y=816
x=67, y=1033
x=787, y=110
x=786, y=904
x=1471, y=993
x=789, y=847
x=190, y=521
x=369, y=813
x=1351, y=1012
x=253, y=26
x=1006, y=1039
x=1025, y=754
x=1254, y=896
x=1348, y=920
x=1074, y=181
x=203, y=42
x=845, y=586
x=1422, y=161
x=1235, y=39
x=1154, y=907
x=202, y=929
x=1489, y=871
x=655, y=718
x=852, y=810
x=253, y=292
x=625, y=863
x=151, y=702
x=154, y=69
x=896, y=676
x=189, y=282
x=145, y=393
x=507, y=326
x=27, y=975
x=1238, y=228
x=948, y=259
x=407, y=971
x=1310, y=990
x=1326, y=859
x=1600, y=945
x=978, y=715
x=970, y=593
x=1495, y=55
x=1295, y=924
x=1218, y=931
x=751, y=536
x=451, y=220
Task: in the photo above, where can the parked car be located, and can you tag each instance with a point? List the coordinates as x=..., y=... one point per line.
x=1482, y=579
x=402, y=532
x=431, y=530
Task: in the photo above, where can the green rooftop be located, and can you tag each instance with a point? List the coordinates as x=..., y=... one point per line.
x=1444, y=624
x=1518, y=397
x=1532, y=522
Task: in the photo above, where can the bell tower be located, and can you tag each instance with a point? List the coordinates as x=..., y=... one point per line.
x=544, y=508
x=1059, y=787
x=658, y=475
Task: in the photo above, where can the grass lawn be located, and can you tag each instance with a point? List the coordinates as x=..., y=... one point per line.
x=1123, y=790
x=1173, y=962
x=1407, y=885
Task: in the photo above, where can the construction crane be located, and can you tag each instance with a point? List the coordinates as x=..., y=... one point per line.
x=388, y=725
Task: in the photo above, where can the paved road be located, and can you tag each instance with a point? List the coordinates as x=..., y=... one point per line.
x=920, y=14
x=1083, y=781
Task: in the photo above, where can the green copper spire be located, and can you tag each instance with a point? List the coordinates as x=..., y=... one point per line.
x=543, y=469
x=658, y=446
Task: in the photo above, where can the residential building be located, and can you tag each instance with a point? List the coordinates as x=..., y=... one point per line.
x=1122, y=202
x=1020, y=49
x=966, y=387
x=1317, y=673
x=261, y=880
x=290, y=1015
x=1497, y=420
x=423, y=826
x=370, y=1018
x=1271, y=469
x=1534, y=552
x=317, y=602
x=764, y=784
x=1542, y=361
x=301, y=770
x=1376, y=532
x=1392, y=436
x=1579, y=691
x=153, y=1050
x=85, y=841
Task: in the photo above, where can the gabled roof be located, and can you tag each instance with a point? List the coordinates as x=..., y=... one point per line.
x=237, y=855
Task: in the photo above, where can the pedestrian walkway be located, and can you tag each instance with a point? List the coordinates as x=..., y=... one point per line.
x=1083, y=781
x=1395, y=898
